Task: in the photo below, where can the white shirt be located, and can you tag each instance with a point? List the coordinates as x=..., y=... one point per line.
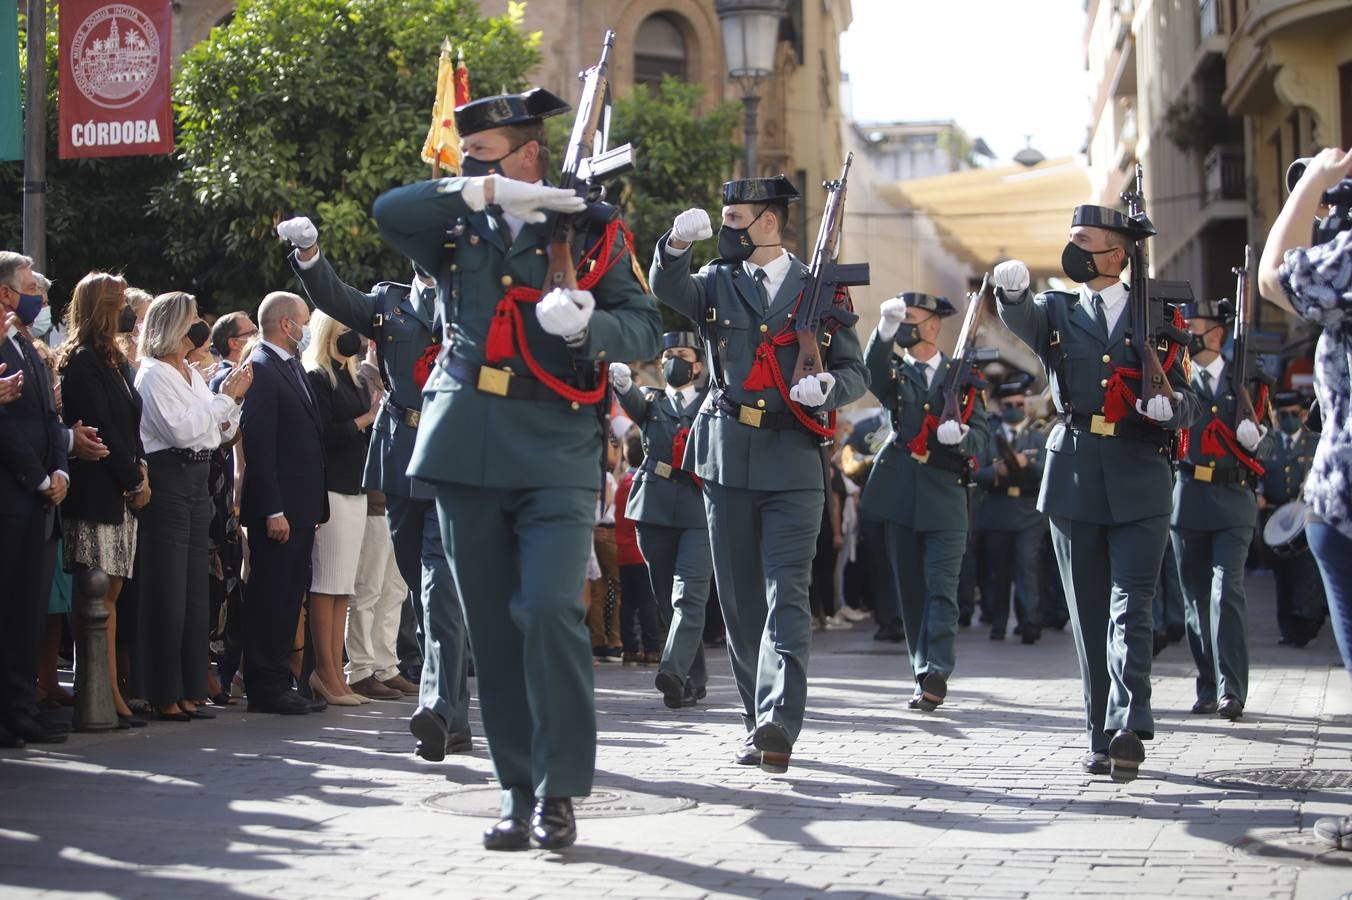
x=1114, y=301
x=776, y=270
x=930, y=366
x=280, y=351
x=178, y=414
x=1214, y=369
x=681, y=398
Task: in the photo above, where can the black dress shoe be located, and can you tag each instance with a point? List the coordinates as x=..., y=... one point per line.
x=1031, y=634
x=459, y=742
x=772, y=740
x=179, y=716
x=1097, y=763
x=199, y=714
x=748, y=754
x=673, y=691
x=1230, y=708
x=430, y=730
x=693, y=695
x=1204, y=707
x=126, y=722
x=552, y=827
x=1127, y=753
x=508, y=834
x=997, y=635
x=964, y=619
x=316, y=704
x=933, y=690
x=289, y=703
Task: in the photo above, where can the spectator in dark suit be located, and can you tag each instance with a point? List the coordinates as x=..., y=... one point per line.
x=96, y=387
x=34, y=447
x=283, y=499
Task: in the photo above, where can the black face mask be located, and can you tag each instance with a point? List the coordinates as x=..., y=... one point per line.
x=1289, y=422
x=908, y=334
x=349, y=343
x=678, y=372
x=1078, y=263
x=1196, y=342
x=126, y=320
x=735, y=244
x=473, y=167
x=198, y=334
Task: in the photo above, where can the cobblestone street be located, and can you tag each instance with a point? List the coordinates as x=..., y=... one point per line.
x=982, y=798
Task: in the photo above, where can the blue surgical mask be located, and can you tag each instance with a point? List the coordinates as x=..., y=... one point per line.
x=304, y=341
x=43, y=323
x=29, y=307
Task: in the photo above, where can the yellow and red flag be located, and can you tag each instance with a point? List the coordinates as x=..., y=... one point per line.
x=442, y=147
x=461, y=79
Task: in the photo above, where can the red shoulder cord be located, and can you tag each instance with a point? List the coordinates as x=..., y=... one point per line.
x=1219, y=438
x=678, y=454
x=766, y=371
x=507, y=332
x=920, y=443
x=1119, y=399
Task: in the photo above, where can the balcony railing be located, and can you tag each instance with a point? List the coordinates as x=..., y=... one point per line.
x=1223, y=173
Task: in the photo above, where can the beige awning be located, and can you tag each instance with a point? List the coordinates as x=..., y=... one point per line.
x=986, y=215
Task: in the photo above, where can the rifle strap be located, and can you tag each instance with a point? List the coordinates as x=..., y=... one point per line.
x=920, y=443
x=1219, y=439
x=1056, y=354
x=378, y=314
x=766, y=372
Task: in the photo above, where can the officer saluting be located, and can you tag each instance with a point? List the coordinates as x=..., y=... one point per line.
x=667, y=506
x=404, y=326
x=1107, y=486
x=1301, y=603
x=756, y=447
x=510, y=436
x=918, y=486
x=1215, y=511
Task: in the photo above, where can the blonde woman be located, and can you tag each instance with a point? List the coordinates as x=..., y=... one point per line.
x=346, y=414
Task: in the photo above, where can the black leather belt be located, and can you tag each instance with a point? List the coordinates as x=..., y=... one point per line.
x=665, y=470
x=945, y=462
x=1154, y=435
x=409, y=417
x=757, y=418
x=192, y=456
x=1237, y=475
x=498, y=382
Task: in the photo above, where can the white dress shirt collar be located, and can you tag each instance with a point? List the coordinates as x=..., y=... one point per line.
x=1214, y=369
x=280, y=351
x=1114, y=302
x=776, y=270
x=681, y=398
x=930, y=366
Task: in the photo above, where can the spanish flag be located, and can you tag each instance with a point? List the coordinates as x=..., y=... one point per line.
x=442, y=147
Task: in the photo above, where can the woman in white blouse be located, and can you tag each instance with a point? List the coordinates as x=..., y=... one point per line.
x=182, y=421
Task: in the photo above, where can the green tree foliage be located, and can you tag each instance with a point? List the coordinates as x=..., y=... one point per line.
x=314, y=107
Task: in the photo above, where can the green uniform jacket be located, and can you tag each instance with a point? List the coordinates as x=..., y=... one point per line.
x=405, y=335
x=1088, y=477
x=900, y=489
x=1202, y=506
x=1285, y=474
x=474, y=438
x=675, y=502
x=721, y=449
x=999, y=509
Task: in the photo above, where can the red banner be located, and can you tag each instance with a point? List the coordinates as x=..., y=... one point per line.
x=115, y=67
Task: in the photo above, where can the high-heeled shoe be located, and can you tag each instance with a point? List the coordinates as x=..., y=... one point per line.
x=360, y=699
x=317, y=685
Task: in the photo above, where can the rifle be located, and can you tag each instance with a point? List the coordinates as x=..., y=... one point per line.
x=1152, y=330
x=586, y=165
x=825, y=277
x=966, y=355
x=1244, y=362
x=1009, y=457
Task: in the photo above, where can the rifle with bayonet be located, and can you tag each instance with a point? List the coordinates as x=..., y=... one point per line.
x=825, y=278
x=587, y=164
x=1244, y=361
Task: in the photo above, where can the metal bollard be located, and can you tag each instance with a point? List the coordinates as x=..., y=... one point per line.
x=94, y=708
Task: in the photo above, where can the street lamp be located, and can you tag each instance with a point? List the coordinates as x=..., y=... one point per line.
x=750, y=36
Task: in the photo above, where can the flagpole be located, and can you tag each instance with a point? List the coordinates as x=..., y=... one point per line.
x=35, y=139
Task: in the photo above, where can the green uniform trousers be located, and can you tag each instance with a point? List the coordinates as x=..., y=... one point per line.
x=1211, y=567
x=926, y=565
x=519, y=556
x=763, y=543
x=680, y=565
x=1110, y=573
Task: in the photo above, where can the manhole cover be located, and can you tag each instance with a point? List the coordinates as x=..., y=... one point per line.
x=486, y=802
x=1282, y=779
x=1291, y=846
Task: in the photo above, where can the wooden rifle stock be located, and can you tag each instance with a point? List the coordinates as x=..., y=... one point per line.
x=1154, y=381
x=964, y=353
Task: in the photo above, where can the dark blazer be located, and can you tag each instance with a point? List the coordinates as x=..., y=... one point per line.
x=283, y=447
x=33, y=442
x=344, y=445
x=104, y=398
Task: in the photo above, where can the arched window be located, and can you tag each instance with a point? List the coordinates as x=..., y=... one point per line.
x=659, y=49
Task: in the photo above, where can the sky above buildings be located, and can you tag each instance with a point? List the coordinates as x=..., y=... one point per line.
x=1001, y=69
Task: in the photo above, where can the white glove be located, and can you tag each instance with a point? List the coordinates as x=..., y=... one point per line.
x=893, y=312
x=1250, y=434
x=1159, y=408
x=300, y=231
x=1012, y=276
x=621, y=379
x=529, y=201
x=812, y=390
x=951, y=433
x=692, y=225
x=565, y=312
x=876, y=440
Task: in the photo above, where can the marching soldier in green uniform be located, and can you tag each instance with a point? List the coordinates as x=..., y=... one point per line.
x=1215, y=510
x=1007, y=522
x=1107, y=485
x=756, y=445
x=407, y=334
x=918, y=486
x=667, y=507
x=511, y=438
x=1301, y=605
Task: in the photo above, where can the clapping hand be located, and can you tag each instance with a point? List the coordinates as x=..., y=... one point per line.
x=87, y=444
x=238, y=382
x=11, y=387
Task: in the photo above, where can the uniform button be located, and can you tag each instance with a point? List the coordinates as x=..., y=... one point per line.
x=539, y=251
x=1103, y=382
x=727, y=321
x=575, y=405
x=764, y=328
x=1288, y=468
x=1127, y=341
x=600, y=354
x=506, y=281
x=1215, y=409
x=1212, y=464
x=455, y=267
x=926, y=407
x=760, y=403
x=1107, y=358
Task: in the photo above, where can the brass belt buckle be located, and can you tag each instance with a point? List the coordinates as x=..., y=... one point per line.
x=494, y=381
x=921, y=458
x=1202, y=473
x=412, y=417
x=662, y=470
x=1014, y=492
x=1102, y=427
x=749, y=415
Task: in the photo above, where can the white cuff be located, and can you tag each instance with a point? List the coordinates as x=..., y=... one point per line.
x=276, y=515
x=674, y=253
x=70, y=445
x=888, y=329
x=304, y=264
x=472, y=192
x=44, y=484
